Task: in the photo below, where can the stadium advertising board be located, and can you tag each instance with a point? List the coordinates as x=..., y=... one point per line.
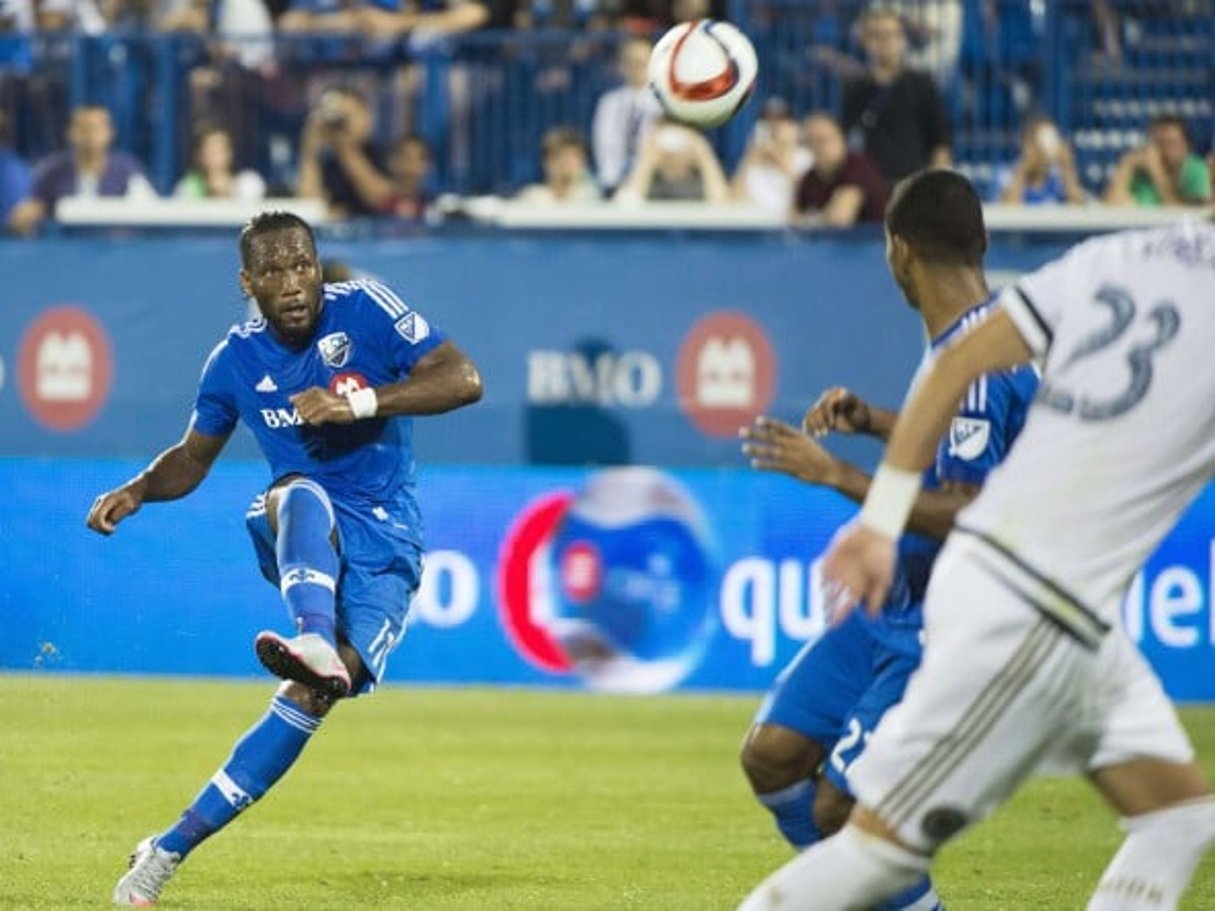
x=595, y=349
x=635, y=580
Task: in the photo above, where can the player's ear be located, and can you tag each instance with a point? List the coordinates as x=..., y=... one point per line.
x=900, y=252
x=245, y=287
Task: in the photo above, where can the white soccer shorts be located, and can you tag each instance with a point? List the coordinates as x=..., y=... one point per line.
x=1002, y=688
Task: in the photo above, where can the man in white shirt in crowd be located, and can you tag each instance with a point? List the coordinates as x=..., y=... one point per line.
x=623, y=116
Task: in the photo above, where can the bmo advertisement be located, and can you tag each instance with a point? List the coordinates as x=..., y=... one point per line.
x=591, y=524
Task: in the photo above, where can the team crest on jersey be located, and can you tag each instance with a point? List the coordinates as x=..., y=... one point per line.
x=412, y=327
x=968, y=437
x=335, y=349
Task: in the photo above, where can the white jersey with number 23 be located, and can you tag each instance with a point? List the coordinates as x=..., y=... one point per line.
x=1121, y=436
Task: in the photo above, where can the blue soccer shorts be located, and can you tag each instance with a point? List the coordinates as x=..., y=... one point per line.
x=838, y=687
x=380, y=569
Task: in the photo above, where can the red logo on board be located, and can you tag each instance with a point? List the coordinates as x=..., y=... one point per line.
x=524, y=596
x=64, y=368
x=725, y=373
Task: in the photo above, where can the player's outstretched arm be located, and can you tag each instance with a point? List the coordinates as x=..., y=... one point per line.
x=843, y=411
x=443, y=380
x=172, y=474
x=859, y=564
x=773, y=445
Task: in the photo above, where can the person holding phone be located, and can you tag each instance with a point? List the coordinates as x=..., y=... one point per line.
x=1045, y=172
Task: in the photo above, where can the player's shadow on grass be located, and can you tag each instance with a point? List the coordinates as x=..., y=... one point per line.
x=578, y=430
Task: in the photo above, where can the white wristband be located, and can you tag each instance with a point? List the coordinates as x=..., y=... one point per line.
x=891, y=497
x=363, y=403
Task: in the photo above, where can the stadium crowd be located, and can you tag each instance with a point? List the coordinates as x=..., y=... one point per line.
x=356, y=144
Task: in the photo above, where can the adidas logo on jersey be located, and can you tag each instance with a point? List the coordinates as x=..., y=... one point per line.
x=266, y=384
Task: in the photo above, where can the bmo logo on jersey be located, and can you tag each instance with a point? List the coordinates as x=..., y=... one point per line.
x=281, y=417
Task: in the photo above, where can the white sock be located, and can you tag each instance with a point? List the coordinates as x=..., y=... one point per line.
x=1154, y=865
x=850, y=870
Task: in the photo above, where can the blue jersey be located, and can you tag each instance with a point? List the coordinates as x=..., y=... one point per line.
x=980, y=436
x=365, y=337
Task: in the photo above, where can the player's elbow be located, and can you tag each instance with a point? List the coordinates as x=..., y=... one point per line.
x=470, y=387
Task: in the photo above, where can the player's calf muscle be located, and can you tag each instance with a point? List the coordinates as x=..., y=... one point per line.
x=831, y=807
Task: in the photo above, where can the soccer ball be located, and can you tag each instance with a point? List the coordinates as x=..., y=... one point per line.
x=703, y=72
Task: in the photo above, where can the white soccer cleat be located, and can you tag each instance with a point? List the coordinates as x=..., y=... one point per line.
x=306, y=659
x=151, y=869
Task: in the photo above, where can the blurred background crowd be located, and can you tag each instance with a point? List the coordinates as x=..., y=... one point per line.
x=402, y=109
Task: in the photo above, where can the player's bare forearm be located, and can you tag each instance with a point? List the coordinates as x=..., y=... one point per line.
x=933, y=513
x=443, y=380
x=881, y=422
x=172, y=474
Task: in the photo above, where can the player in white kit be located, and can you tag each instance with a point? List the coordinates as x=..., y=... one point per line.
x=1025, y=657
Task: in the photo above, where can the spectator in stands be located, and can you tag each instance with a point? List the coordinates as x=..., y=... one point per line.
x=1046, y=170
x=409, y=172
x=211, y=175
x=90, y=167
x=567, y=178
x=18, y=211
x=1162, y=172
x=843, y=186
x=935, y=33
x=338, y=162
x=894, y=113
x=772, y=165
x=84, y=16
x=425, y=20
x=624, y=115
x=677, y=164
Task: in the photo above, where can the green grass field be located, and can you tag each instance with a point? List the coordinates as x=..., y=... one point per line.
x=460, y=799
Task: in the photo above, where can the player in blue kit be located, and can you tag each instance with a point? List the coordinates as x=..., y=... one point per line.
x=327, y=378
x=824, y=705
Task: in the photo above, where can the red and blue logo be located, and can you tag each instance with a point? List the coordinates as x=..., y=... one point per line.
x=614, y=583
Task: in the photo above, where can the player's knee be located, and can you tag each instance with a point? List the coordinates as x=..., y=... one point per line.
x=304, y=493
x=300, y=493
x=774, y=757
x=831, y=807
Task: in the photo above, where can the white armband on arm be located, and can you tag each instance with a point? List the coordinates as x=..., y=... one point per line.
x=890, y=500
x=363, y=403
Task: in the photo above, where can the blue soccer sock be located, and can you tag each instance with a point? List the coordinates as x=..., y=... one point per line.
x=259, y=759
x=307, y=562
x=920, y=897
x=793, y=808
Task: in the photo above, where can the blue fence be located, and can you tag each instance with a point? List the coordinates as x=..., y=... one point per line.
x=483, y=100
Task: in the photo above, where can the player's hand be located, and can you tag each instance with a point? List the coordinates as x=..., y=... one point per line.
x=858, y=567
x=111, y=508
x=319, y=406
x=840, y=410
x=773, y=445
